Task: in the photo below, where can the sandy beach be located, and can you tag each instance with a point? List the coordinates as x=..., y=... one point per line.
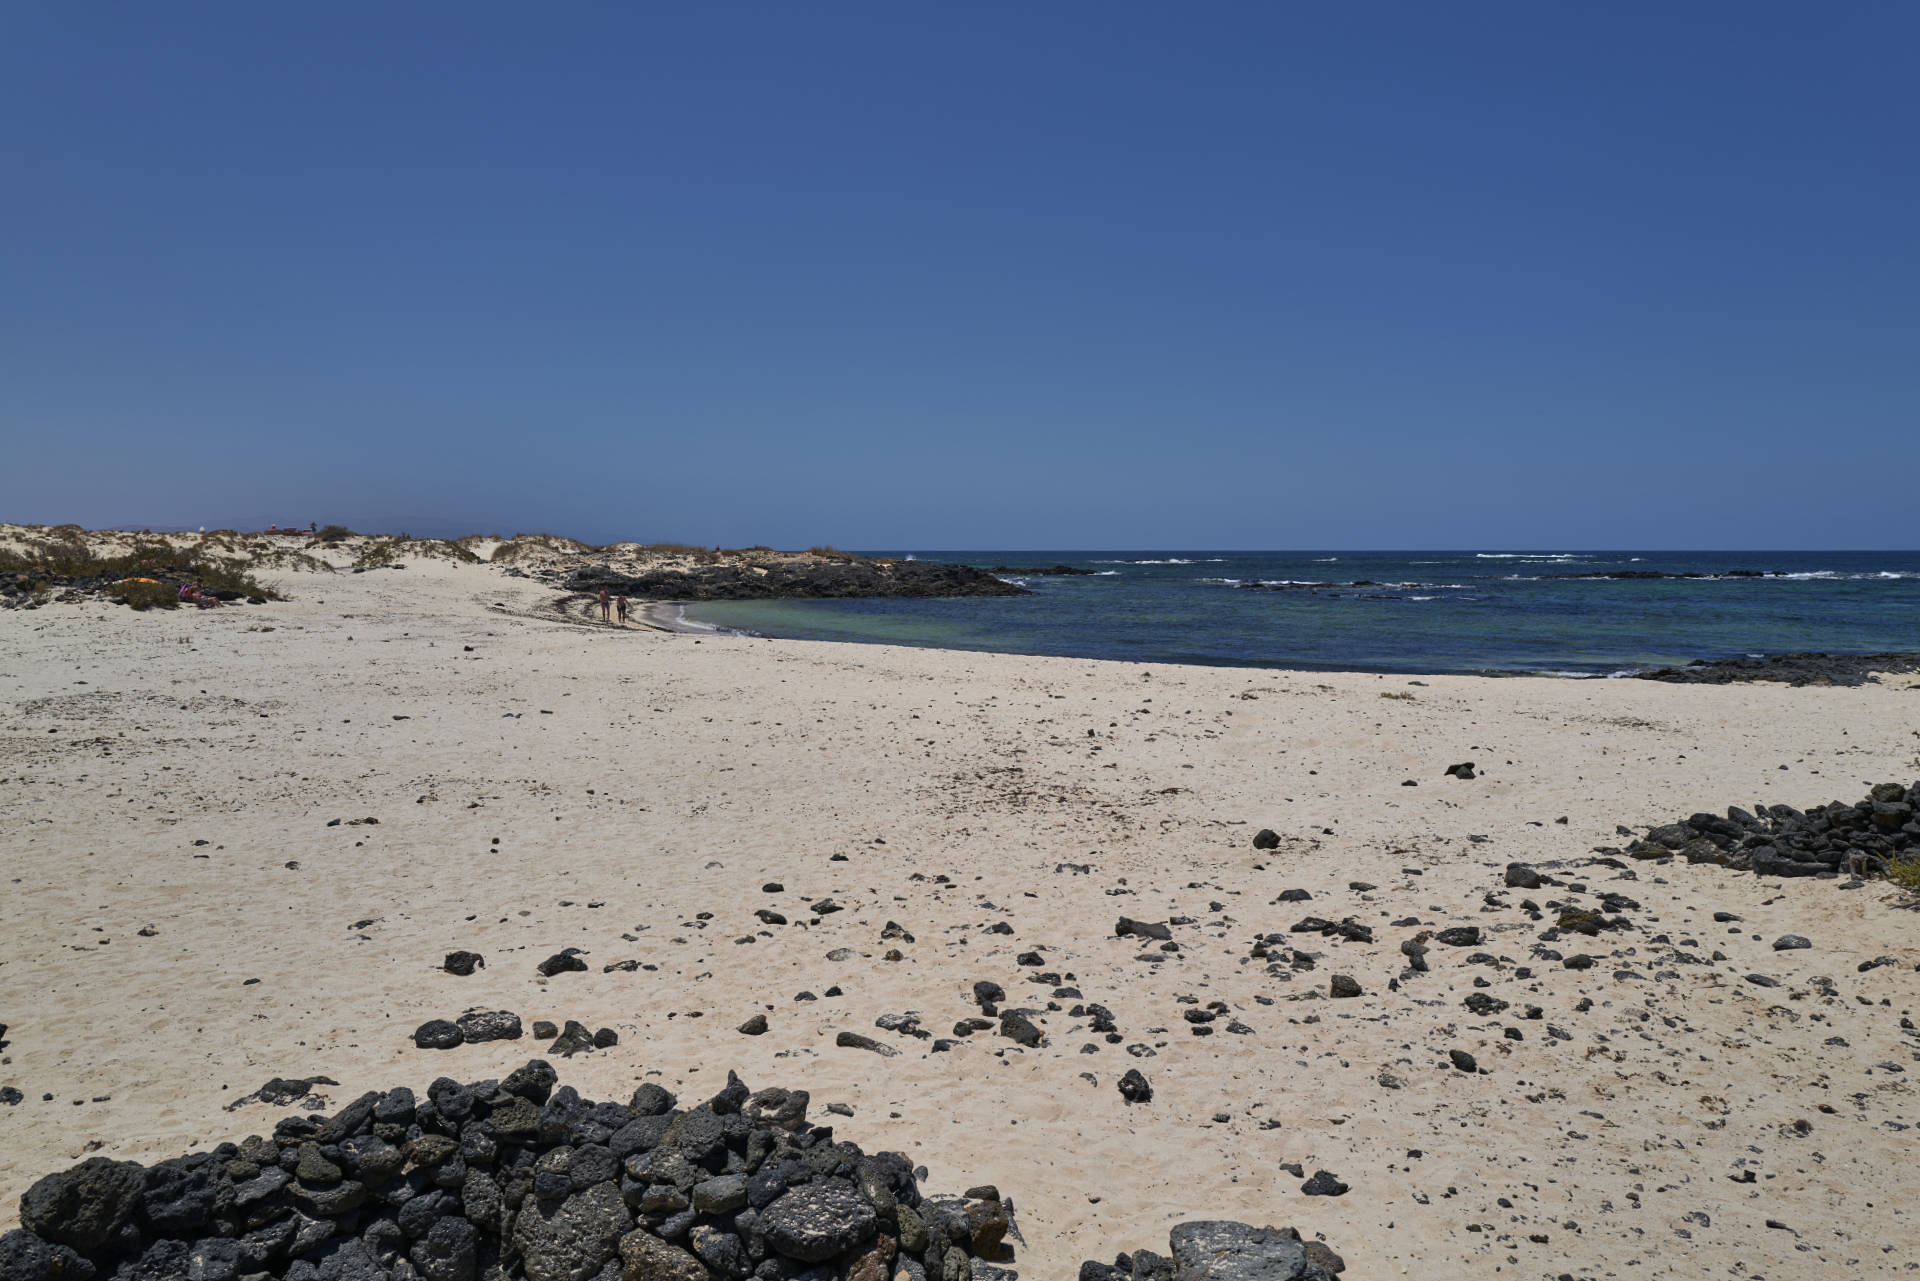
x=198, y=898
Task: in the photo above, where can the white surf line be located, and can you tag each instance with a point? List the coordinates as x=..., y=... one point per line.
x=671, y=616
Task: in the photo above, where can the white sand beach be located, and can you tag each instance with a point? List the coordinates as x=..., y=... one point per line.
x=541, y=784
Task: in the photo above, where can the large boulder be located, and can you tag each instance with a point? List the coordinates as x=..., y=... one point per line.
x=818, y=1221
x=647, y=1258
x=1221, y=1251
x=572, y=1240
x=86, y=1206
x=25, y=1257
x=449, y=1251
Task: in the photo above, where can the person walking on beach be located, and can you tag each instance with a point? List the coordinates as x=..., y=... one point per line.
x=620, y=608
x=604, y=605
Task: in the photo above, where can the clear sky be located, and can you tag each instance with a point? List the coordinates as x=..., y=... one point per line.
x=970, y=275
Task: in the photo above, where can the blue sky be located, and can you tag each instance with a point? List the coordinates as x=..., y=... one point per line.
x=903, y=275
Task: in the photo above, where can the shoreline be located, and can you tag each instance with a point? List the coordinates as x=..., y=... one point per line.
x=671, y=616
x=1797, y=668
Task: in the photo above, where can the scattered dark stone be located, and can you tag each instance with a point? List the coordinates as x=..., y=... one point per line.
x=463, y=963
x=1266, y=839
x=1016, y=1026
x=438, y=1034
x=573, y=1039
x=1345, y=986
x=1323, y=1184
x=754, y=1026
x=1522, y=877
x=855, y=1041
x=1134, y=1087
x=1791, y=943
x=1141, y=929
x=1459, y=936
x=562, y=962
x=544, y=1031
x=1462, y=1061
x=489, y=1025
x=282, y=1091
x=1464, y=770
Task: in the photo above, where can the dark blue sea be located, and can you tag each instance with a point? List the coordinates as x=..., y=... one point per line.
x=1548, y=612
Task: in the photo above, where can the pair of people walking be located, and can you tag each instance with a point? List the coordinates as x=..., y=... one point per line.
x=610, y=604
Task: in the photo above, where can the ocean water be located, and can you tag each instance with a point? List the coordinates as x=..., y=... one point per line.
x=1415, y=612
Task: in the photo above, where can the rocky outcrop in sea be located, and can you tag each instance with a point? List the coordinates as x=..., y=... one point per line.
x=790, y=579
x=523, y=1178
x=1042, y=571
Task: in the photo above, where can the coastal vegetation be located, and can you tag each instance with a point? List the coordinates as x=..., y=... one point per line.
x=147, y=575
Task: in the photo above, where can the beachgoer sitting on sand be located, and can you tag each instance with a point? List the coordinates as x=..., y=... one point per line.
x=604, y=606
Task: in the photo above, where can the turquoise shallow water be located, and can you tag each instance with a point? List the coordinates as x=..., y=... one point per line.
x=1466, y=611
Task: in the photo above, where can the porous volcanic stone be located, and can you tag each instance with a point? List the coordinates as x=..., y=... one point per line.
x=818, y=1221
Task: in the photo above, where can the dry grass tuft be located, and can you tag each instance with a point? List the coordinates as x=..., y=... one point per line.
x=122, y=575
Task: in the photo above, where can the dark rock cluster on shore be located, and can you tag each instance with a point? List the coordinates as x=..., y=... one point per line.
x=1790, y=669
x=513, y=1178
x=1779, y=840
x=517, y=1178
x=789, y=579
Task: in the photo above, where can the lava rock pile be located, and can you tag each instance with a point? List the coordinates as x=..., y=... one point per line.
x=517, y=1178
x=512, y=1178
x=1779, y=840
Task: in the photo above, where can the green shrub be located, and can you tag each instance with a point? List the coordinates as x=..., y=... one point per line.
x=168, y=566
x=1904, y=869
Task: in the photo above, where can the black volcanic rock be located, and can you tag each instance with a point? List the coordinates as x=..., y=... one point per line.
x=1791, y=669
x=815, y=579
x=1042, y=571
x=494, y=1184
x=1862, y=839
